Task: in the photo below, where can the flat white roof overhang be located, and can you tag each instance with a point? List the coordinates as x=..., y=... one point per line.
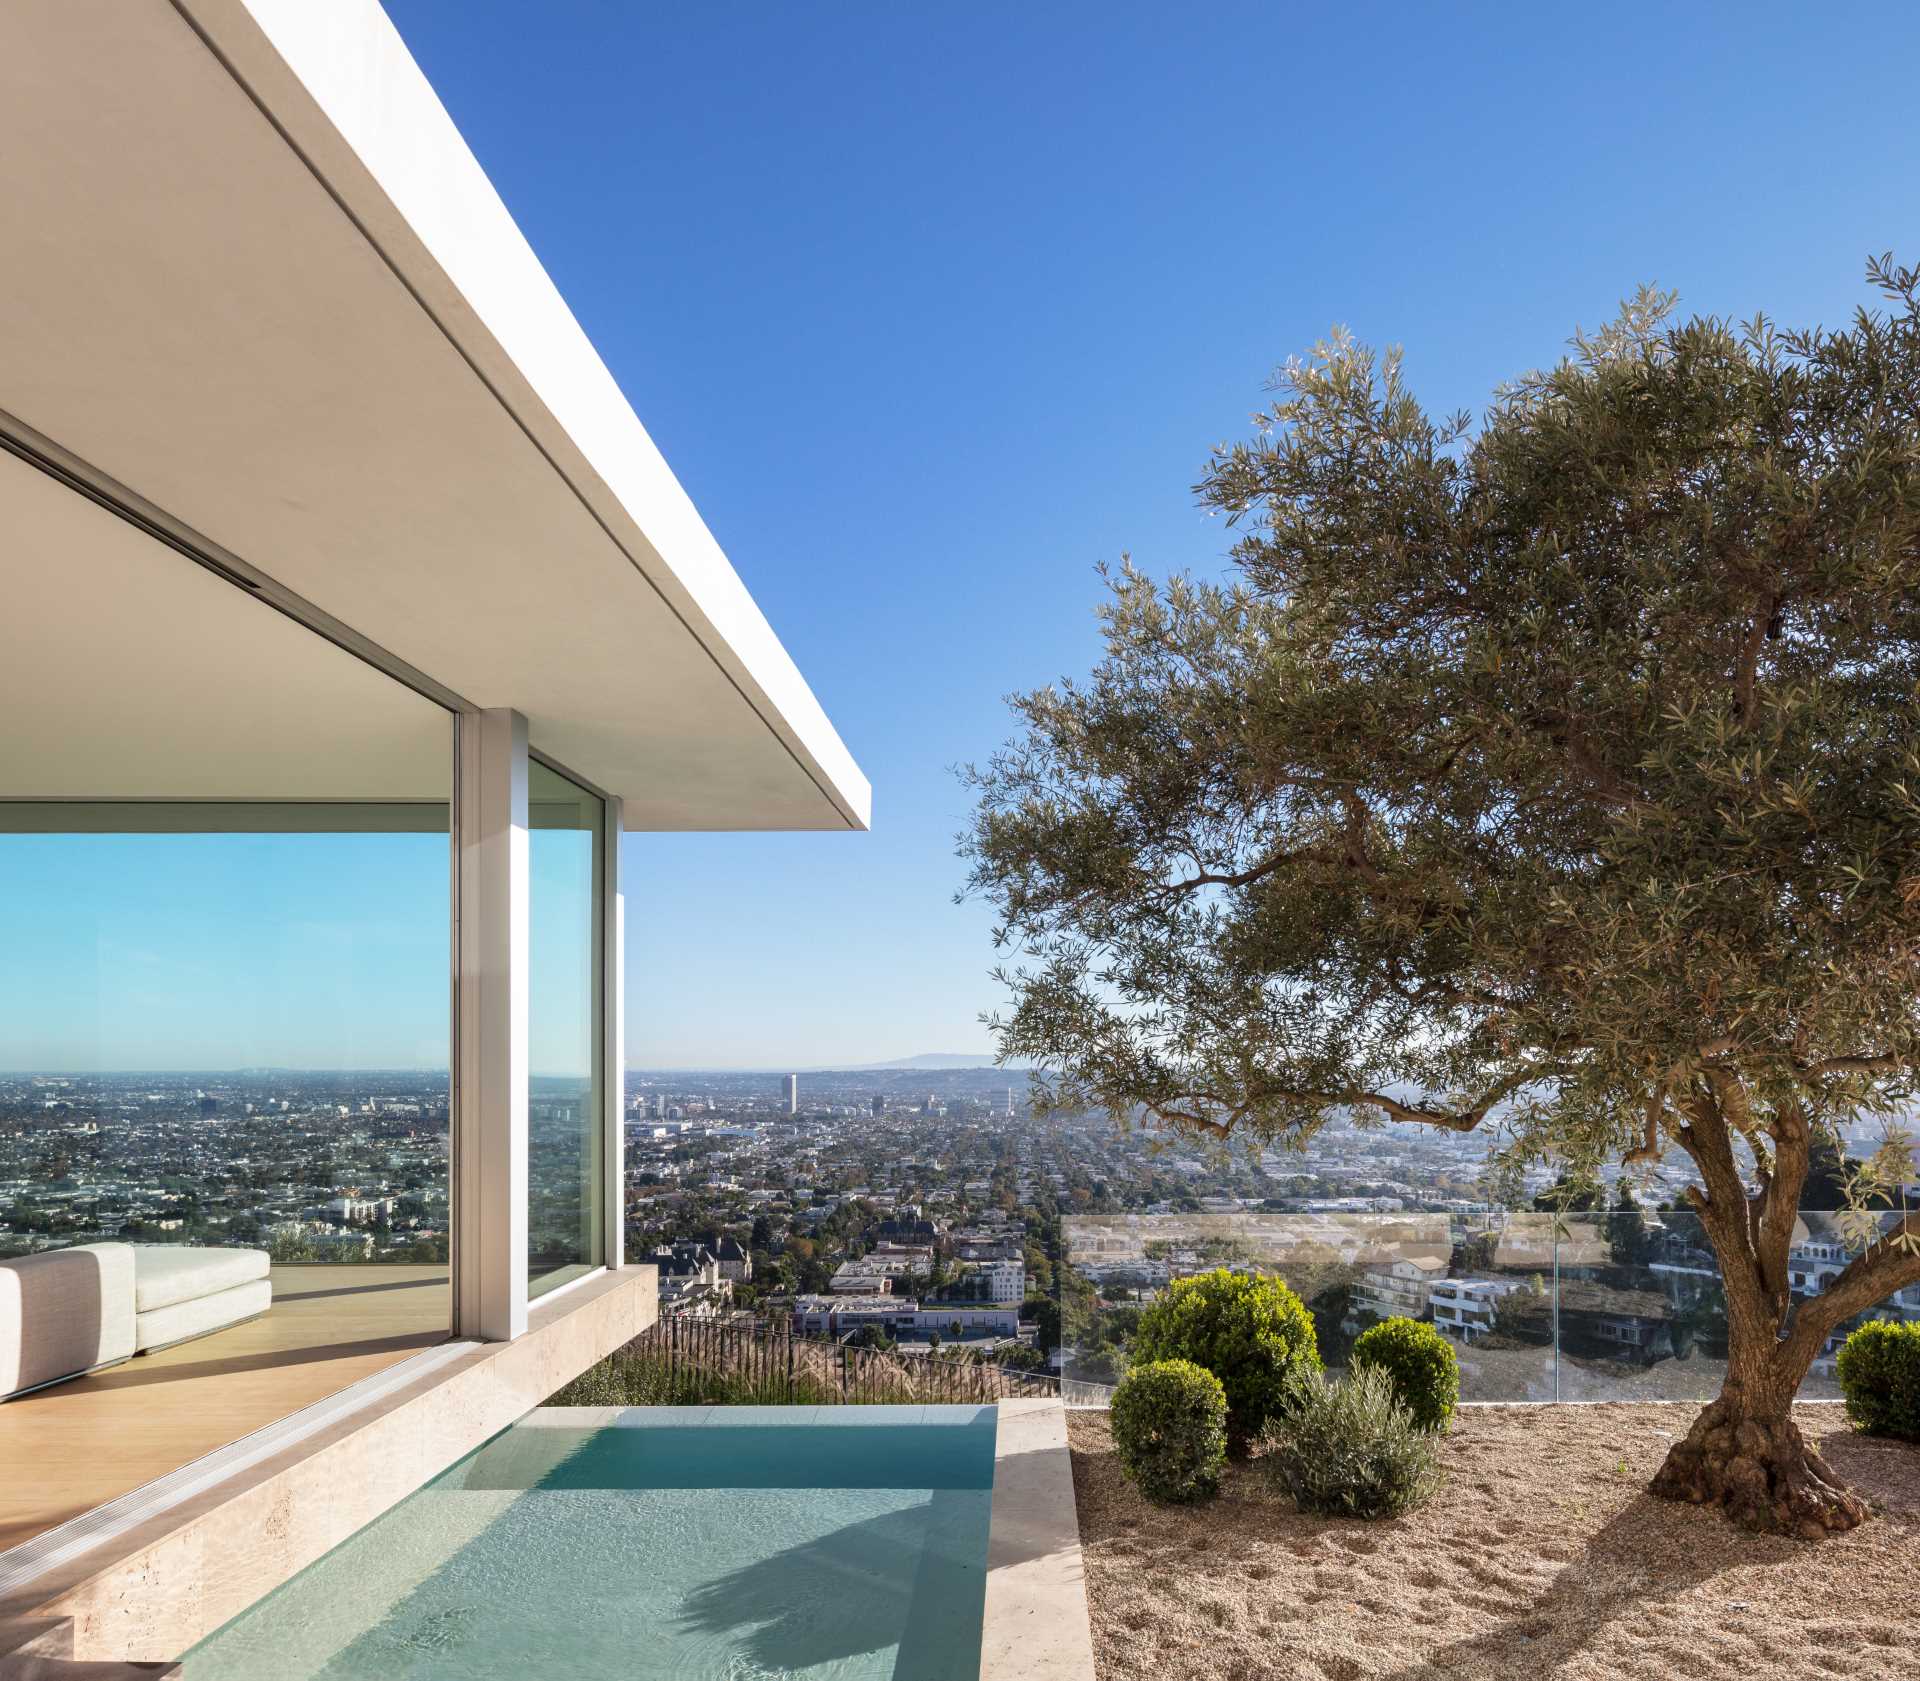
x=255, y=277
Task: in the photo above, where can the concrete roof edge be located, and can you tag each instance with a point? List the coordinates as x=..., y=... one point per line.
x=338, y=83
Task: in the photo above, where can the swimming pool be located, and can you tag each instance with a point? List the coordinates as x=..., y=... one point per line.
x=696, y=1543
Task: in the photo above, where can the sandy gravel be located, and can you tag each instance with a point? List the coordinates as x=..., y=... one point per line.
x=1542, y=1556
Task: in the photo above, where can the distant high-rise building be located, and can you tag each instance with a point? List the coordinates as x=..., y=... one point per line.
x=1009, y=1100
x=879, y=1106
x=793, y=1094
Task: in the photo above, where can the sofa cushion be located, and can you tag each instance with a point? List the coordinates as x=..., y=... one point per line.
x=63, y=1312
x=167, y=1274
x=163, y=1326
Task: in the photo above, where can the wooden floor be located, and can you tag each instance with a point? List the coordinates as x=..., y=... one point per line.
x=66, y=1449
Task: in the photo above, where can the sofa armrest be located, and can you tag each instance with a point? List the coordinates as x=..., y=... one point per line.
x=63, y=1312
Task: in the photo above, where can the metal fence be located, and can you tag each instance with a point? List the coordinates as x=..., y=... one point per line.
x=772, y=1361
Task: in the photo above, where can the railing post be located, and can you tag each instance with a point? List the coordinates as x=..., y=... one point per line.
x=1556, y=1307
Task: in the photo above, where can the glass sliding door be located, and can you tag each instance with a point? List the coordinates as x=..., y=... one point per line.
x=565, y=1197
x=225, y=866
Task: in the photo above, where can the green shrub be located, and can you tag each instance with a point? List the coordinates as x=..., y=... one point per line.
x=1350, y=1449
x=1170, y=1429
x=1880, y=1378
x=1422, y=1364
x=1250, y=1332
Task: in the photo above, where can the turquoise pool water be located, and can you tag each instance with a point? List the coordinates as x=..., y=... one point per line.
x=697, y=1544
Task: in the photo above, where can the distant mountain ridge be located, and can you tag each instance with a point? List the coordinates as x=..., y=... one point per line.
x=927, y=1059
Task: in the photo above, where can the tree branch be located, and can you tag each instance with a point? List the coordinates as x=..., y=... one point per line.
x=1883, y=1064
x=1779, y=1201
x=1459, y=1120
x=1885, y=1266
x=1648, y=1149
x=1746, y=674
x=1229, y=878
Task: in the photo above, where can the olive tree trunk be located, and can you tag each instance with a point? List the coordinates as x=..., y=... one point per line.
x=1744, y=1453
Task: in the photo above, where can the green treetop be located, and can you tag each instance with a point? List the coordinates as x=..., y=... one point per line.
x=1560, y=774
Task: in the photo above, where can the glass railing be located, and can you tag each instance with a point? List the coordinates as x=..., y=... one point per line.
x=1616, y=1306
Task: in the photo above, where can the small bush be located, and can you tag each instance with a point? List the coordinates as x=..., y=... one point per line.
x=1170, y=1429
x=1880, y=1378
x=1350, y=1449
x=1251, y=1332
x=1422, y=1364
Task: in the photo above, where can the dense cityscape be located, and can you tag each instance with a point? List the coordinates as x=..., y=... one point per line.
x=919, y=1208
x=353, y=1166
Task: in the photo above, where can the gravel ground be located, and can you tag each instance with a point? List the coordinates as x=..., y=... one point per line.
x=1542, y=1555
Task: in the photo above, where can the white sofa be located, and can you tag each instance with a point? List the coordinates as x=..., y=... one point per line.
x=68, y=1311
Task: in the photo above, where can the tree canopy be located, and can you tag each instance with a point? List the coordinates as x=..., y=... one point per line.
x=1560, y=771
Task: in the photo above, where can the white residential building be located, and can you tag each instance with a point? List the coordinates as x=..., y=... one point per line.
x=1006, y=1280
x=1465, y=1308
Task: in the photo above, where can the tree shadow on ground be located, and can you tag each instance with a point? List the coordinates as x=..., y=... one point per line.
x=1610, y=1579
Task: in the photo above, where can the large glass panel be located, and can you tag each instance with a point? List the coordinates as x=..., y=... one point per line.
x=224, y=1004
x=1612, y=1305
x=225, y=1025
x=565, y=1201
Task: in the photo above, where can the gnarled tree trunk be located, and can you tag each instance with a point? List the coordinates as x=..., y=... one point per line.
x=1745, y=1454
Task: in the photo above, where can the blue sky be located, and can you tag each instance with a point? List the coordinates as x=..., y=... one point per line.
x=214, y=951
x=934, y=307
x=224, y=951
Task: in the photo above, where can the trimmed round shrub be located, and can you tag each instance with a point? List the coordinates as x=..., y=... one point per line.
x=1422, y=1364
x=1879, y=1369
x=1251, y=1332
x=1170, y=1429
x=1349, y=1449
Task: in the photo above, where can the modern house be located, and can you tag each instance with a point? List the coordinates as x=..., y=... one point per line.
x=1465, y=1308
x=902, y=1317
x=1594, y=1321
x=352, y=622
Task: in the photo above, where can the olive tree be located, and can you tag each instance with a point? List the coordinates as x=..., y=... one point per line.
x=1557, y=776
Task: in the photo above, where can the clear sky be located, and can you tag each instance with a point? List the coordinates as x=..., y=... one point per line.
x=934, y=306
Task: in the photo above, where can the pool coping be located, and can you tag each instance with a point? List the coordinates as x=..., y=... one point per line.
x=727, y=1417
x=1036, y=1626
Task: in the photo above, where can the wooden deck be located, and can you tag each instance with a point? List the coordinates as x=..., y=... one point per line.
x=69, y=1448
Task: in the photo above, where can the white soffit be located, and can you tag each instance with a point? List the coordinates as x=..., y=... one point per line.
x=128, y=672
x=255, y=276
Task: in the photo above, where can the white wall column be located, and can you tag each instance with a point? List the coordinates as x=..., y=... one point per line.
x=613, y=1072
x=490, y=1028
